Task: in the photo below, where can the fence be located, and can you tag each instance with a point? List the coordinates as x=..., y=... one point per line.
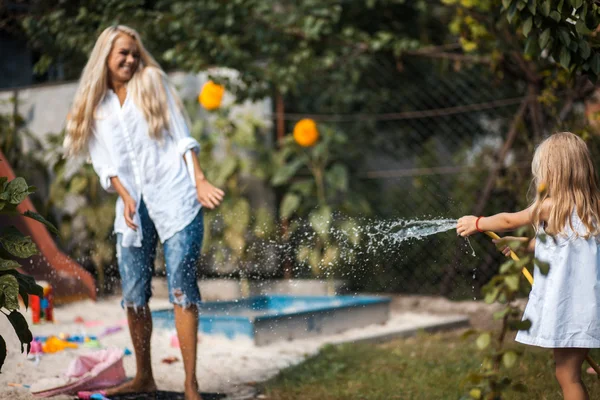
x=435, y=140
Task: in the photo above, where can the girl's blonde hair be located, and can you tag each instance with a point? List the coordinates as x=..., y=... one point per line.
x=145, y=88
x=563, y=165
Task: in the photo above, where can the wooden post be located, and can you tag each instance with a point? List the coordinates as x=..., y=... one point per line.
x=280, y=115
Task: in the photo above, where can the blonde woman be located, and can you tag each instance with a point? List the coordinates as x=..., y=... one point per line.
x=130, y=120
x=564, y=306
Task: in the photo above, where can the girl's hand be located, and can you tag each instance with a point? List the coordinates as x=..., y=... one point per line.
x=208, y=195
x=466, y=225
x=502, y=243
x=129, y=212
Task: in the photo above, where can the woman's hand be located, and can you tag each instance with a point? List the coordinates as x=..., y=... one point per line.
x=208, y=195
x=466, y=225
x=130, y=207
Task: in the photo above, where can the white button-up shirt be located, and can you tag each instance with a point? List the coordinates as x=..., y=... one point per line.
x=155, y=170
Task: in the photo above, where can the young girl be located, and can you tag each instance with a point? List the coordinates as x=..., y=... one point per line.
x=130, y=120
x=564, y=306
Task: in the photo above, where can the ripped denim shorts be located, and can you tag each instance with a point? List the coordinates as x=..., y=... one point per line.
x=181, y=251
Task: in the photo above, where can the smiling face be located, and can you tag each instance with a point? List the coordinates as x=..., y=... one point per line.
x=123, y=59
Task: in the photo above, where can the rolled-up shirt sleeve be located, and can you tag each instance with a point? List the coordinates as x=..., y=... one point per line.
x=178, y=126
x=102, y=162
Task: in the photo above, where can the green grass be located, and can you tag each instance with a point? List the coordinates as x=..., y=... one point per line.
x=424, y=367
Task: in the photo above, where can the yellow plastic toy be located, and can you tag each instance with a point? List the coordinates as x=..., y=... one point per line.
x=515, y=257
x=54, y=344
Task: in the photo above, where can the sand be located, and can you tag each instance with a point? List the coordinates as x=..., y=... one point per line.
x=223, y=365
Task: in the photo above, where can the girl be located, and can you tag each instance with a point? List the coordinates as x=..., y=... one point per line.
x=131, y=122
x=564, y=306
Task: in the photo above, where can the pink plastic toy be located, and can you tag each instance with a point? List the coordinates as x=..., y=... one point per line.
x=36, y=347
x=98, y=370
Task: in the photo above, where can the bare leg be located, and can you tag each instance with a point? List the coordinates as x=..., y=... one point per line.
x=568, y=372
x=186, y=323
x=140, y=328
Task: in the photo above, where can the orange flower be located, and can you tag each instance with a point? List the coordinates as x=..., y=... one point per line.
x=211, y=95
x=306, y=133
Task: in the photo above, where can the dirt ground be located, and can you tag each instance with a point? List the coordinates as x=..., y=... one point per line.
x=480, y=314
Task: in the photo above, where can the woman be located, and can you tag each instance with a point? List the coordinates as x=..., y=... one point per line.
x=131, y=121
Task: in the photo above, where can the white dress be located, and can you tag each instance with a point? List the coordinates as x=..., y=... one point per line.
x=564, y=306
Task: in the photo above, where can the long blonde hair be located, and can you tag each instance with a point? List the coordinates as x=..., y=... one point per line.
x=145, y=88
x=563, y=164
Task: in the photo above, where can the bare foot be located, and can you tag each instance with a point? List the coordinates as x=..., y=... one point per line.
x=191, y=391
x=136, y=385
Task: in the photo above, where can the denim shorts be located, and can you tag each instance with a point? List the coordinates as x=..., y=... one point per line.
x=181, y=251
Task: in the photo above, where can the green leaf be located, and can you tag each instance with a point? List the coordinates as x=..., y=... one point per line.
x=591, y=20
x=6, y=265
x=595, y=63
x=283, y=174
x=544, y=38
x=565, y=57
x=512, y=281
x=581, y=28
x=564, y=36
x=519, y=325
x=320, y=220
x=304, y=187
x=506, y=3
x=39, y=218
x=289, y=205
x=555, y=15
x=509, y=359
x=532, y=5
x=512, y=11
x=521, y=5
x=337, y=177
x=17, y=190
x=22, y=329
x=352, y=231
x=527, y=26
x=9, y=292
x=502, y=313
x=226, y=169
x=2, y=352
x=475, y=393
x=531, y=46
x=584, y=49
x=576, y=3
x=543, y=266
x=483, y=341
x=17, y=244
x=545, y=9
x=78, y=184
x=492, y=295
x=27, y=284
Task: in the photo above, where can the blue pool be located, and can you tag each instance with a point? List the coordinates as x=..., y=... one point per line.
x=270, y=318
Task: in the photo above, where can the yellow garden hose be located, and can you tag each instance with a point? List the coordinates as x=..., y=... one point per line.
x=515, y=257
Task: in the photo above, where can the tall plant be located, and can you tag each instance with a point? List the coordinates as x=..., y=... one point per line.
x=236, y=155
x=319, y=199
x=15, y=245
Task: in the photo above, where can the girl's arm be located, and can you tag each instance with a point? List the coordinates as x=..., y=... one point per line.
x=502, y=222
x=130, y=205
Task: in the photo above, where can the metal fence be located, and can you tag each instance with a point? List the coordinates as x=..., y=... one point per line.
x=438, y=149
